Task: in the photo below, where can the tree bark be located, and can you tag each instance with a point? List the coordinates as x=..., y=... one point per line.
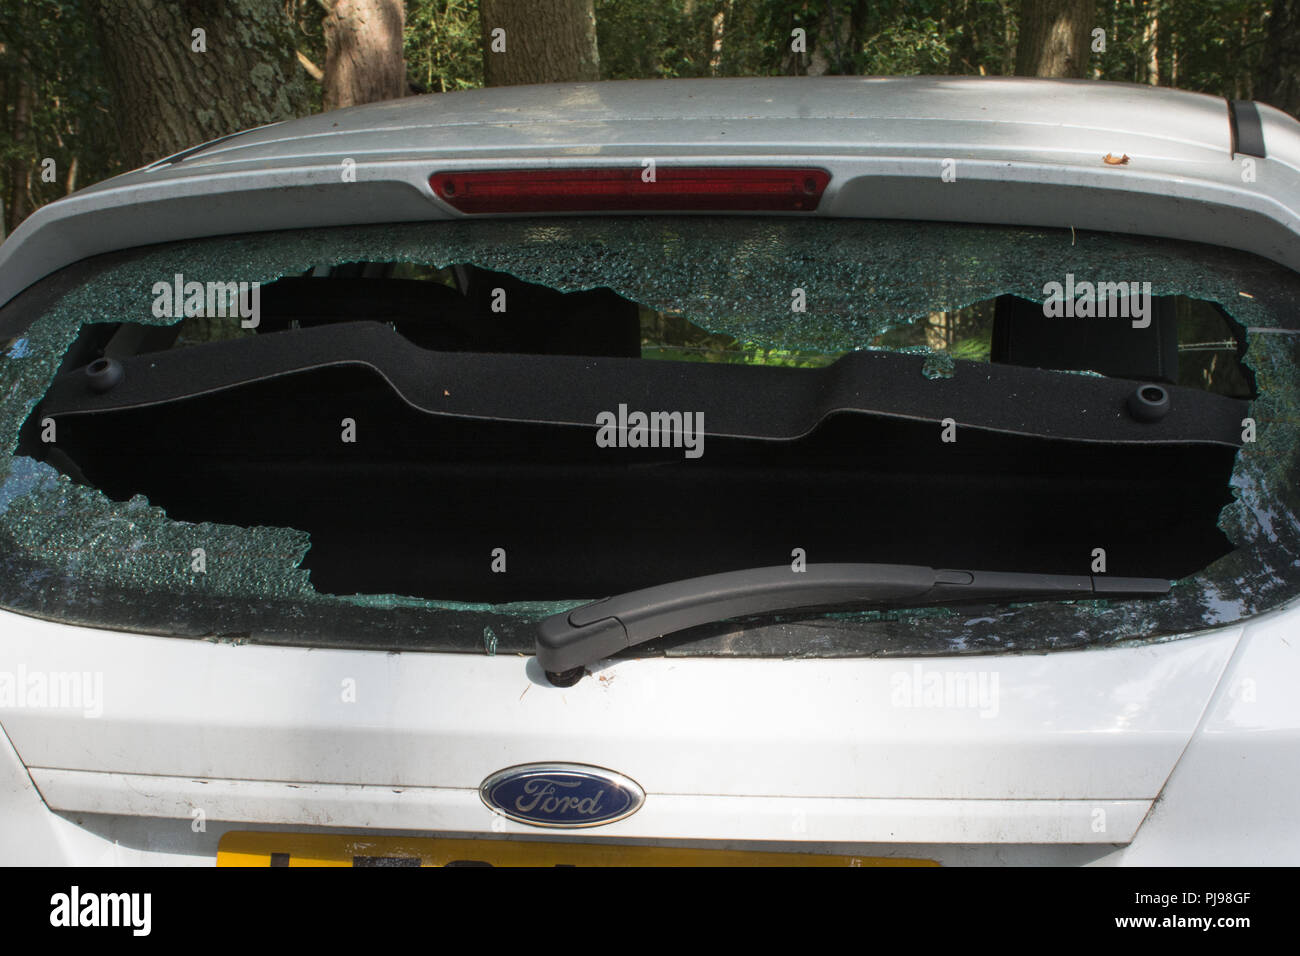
x=546, y=41
x=838, y=39
x=20, y=166
x=364, y=62
x=1054, y=37
x=1151, y=40
x=1280, y=78
x=719, y=30
x=168, y=96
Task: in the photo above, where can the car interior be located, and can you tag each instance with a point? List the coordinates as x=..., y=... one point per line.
x=841, y=455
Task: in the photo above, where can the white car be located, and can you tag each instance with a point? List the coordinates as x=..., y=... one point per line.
x=854, y=470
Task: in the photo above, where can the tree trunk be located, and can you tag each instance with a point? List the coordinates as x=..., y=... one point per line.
x=168, y=95
x=838, y=40
x=822, y=59
x=719, y=29
x=364, y=62
x=1054, y=37
x=1009, y=24
x=20, y=166
x=1151, y=42
x=1280, y=77
x=546, y=41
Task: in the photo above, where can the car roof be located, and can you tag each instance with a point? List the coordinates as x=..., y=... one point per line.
x=1045, y=118
x=1020, y=151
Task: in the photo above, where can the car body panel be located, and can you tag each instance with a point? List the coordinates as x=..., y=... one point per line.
x=867, y=747
x=1231, y=797
x=1225, y=801
x=1026, y=152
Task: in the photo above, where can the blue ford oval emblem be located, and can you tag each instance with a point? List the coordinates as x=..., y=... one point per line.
x=561, y=794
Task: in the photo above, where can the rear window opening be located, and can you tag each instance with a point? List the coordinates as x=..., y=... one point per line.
x=460, y=516
x=418, y=504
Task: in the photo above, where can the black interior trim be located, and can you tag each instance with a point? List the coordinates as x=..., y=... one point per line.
x=736, y=401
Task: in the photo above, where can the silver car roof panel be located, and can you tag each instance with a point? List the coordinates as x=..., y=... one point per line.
x=1027, y=152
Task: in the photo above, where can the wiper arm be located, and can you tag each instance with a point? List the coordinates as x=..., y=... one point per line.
x=567, y=642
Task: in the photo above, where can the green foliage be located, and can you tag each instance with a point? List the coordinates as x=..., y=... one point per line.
x=653, y=38
x=1212, y=46
x=441, y=44
x=55, y=105
x=674, y=338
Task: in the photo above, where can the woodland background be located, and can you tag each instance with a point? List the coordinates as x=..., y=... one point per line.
x=102, y=86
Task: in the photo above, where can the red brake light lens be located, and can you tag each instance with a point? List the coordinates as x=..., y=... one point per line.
x=606, y=188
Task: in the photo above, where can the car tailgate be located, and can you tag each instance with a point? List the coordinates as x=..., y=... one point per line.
x=1066, y=747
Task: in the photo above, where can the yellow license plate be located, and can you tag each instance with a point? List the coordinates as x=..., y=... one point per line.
x=246, y=848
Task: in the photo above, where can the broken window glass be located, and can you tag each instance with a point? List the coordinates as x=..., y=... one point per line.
x=154, y=524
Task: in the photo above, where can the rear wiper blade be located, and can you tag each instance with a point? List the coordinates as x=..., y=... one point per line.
x=567, y=642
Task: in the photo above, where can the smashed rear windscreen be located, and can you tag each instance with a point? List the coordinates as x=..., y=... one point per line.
x=432, y=435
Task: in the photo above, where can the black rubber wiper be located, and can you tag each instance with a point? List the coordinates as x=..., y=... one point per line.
x=567, y=642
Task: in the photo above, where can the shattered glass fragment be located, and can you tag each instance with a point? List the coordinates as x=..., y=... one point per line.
x=938, y=365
